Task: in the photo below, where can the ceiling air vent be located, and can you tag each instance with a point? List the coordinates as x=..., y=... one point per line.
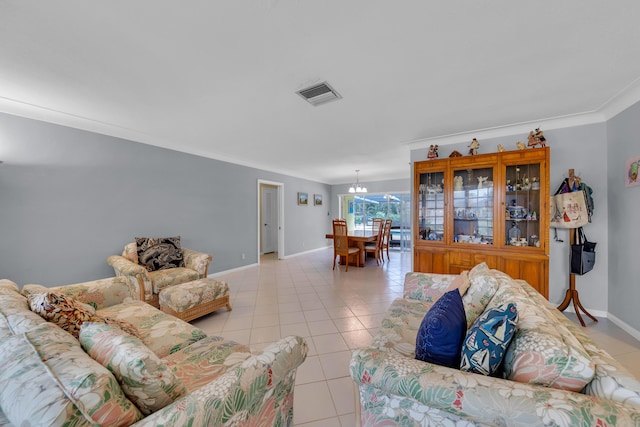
x=319, y=94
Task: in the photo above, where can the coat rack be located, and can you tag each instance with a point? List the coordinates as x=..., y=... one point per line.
x=572, y=292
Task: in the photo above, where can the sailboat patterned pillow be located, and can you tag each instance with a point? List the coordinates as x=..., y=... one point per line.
x=487, y=340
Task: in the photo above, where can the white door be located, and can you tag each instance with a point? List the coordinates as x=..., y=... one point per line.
x=269, y=220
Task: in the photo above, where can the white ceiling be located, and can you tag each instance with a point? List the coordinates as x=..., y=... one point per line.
x=218, y=78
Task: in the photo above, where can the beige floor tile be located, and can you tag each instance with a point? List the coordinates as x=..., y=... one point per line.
x=342, y=393
x=322, y=327
x=310, y=371
x=329, y=343
x=335, y=365
x=312, y=402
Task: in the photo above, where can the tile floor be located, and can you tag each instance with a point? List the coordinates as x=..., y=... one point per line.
x=336, y=311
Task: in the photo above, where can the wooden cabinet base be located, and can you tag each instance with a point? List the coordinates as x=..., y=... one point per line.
x=534, y=268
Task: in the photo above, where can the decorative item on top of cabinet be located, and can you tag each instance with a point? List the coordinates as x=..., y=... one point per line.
x=433, y=152
x=488, y=209
x=473, y=147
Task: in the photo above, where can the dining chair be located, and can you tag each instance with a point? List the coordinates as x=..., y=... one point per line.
x=341, y=244
x=376, y=223
x=375, y=247
x=386, y=238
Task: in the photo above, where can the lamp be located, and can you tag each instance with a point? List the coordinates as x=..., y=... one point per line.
x=356, y=188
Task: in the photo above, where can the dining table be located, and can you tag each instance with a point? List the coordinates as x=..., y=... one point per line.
x=358, y=238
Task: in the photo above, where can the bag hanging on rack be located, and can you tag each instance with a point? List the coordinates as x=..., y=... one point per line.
x=570, y=209
x=583, y=253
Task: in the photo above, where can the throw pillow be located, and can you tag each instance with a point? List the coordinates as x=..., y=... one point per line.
x=159, y=253
x=487, y=340
x=70, y=314
x=144, y=377
x=442, y=330
x=461, y=283
x=483, y=285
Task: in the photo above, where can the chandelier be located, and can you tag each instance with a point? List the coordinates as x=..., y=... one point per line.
x=357, y=188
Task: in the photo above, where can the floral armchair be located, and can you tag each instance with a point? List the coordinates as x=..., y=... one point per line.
x=150, y=283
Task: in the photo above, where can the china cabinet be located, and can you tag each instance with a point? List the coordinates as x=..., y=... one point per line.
x=485, y=208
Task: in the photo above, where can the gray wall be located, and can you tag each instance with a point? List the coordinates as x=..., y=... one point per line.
x=624, y=227
x=70, y=198
x=583, y=148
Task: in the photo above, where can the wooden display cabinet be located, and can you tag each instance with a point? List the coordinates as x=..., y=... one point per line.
x=489, y=208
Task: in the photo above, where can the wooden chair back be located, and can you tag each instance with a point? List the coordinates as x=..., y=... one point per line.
x=340, y=238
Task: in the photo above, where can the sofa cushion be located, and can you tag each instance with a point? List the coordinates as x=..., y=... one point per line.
x=144, y=378
x=442, y=331
x=46, y=376
x=159, y=253
x=543, y=350
x=174, y=276
x=205, y=360
x=487, y=340
x=16, y=315
x=162, y=333
x=483, y=286
x=426, y=287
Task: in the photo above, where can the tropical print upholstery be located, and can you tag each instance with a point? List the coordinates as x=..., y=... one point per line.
x=482, y=288
x=45, y=376
x=162, y=333
x=145, y=379
x=70, y=314
x=255, y=392
x=396, y=389
x=206, y=360
x=41, y=362
x=97, y=293
x=192, y=294
x=163, y=279
x=196, y=265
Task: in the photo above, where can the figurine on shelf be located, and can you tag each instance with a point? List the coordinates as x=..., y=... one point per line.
x=535, y=185
x=473, y=147
x=536, y=137
x=481, y=181
x=457, y=183
x=501, y=148
x=433, y=152
x=455, y=153
x=521, y=145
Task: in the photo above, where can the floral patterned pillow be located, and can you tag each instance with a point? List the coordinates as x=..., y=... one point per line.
x=483, y=285
x=143, y=376
x=426, y=286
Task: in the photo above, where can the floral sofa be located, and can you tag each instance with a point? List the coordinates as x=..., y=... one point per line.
x=553, y=374
x=167, y=372
x=148, y=284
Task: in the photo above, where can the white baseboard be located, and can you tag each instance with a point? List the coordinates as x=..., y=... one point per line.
x=596, y=313
x=628, y=329
x=307, y=252
x=233, y=270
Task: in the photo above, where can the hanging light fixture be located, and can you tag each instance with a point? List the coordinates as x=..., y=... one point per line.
x=356, y=188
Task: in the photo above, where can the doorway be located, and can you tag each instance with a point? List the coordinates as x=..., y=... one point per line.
x=270, y=219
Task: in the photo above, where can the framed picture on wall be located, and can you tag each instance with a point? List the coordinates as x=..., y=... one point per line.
x=631, y=171
x=303, y=199
x=317, y=199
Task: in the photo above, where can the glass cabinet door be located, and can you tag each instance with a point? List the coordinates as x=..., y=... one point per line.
x=431, y=206
x=522, y=199
x=473, y=206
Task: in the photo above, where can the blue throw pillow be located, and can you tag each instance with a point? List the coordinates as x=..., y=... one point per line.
x=442, y=331
x=487, y=340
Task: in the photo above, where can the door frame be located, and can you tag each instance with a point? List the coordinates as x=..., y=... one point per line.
x=279, y=214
